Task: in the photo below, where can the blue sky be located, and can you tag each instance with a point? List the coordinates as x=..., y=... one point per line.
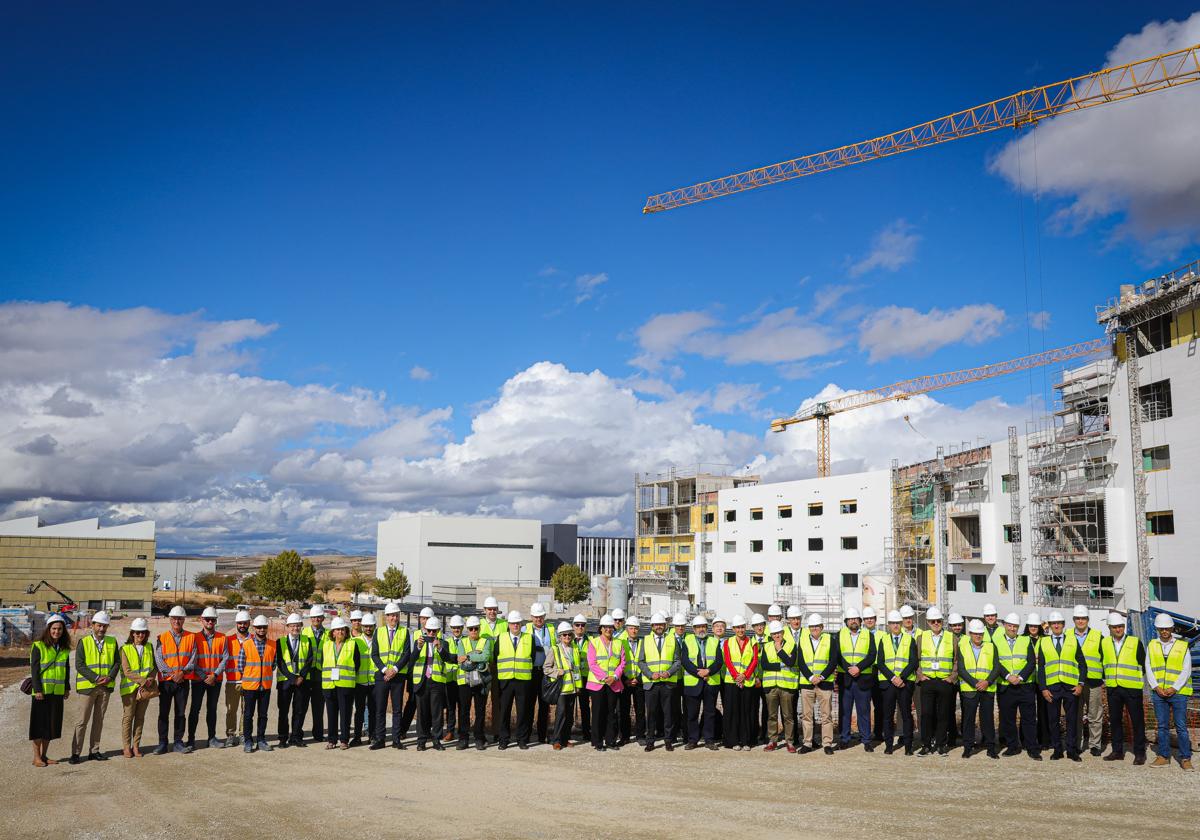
x=426, y=202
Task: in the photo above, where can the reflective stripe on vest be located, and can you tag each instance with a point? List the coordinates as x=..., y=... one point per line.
x=937, y=664
x=1060, y=667
x=855, y=652
x=786, y=677
x=340, y=659
x=455, y=645
x=318, y=644
x=572, y=681
x=437, y=667
x=1168, y=668
x=469, y=647
x=390, y=651
x=607, y=655
x=495, y=631
x=977, y=669
x=139, y=665
x=896, y=658
x=816, y=661
x=208, y=654
x=514, y=663
x=55, y=663
x=366, y=667
x=176, y=656
x=740, y=659
x=98, y=657
x=1121, y=670
x=660, y=661
x=259, y=672
x=633, y=649
x=1091, y=654
x=1013, y=657
x=303, y=664
x=711, y=653
x=233, y=643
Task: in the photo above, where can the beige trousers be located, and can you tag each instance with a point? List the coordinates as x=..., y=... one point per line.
x=91, y=708
x=1091, y=702
x=132, y=717
x=810, y=700
x=233, y=702
x=780, y=703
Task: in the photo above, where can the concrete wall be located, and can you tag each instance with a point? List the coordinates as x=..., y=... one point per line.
x=175, y=574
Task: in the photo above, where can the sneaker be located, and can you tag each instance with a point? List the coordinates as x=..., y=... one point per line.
x=1185, y=764
x=264, y=746
x=216, y=743
x=769, y=747
x=232, y=741
x=248, y=747
x=180, y=748
x=713, y=745
x=437, y=745
x=161, y=749
x=791, y=748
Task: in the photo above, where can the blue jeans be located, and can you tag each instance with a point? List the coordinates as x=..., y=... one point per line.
x=855, y=696
x=1172, y=710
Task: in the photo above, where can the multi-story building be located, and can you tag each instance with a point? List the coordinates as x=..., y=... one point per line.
x=608, y=556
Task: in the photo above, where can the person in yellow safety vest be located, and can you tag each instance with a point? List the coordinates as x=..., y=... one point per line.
x=632, y=697
x=955, y=623
x=338, y=661
x=137, y=670
x=795, y=630
x=514, y=672
x=583, y=701
x=391, y=655
x=315, y=694
x=701, y=662
x=431, y=656
x=605, y=666
x=991, y=623
x=817, y=663
x=758, y=708
x=741, y=671
x=870, y=623
x=1090, y=707
x=1033, y=629
x=658, y=663
x=937, y=683
x=781, y=684
x=856, y=662
x=1060, y=676
x=896, y=666
x=679, y=628
x=908, y=624
x=454, y=642
x=562, y=663
x=719, y=633
x=474, y=677
x=410, y=704
x=543, y=641
x=1123, y=660
x=492, y=626
x=49, y=675
x=1015, y=689
x=978, y=668
x=96, y=667
x=1169, y=675
x=293, y=662
x=364, y=688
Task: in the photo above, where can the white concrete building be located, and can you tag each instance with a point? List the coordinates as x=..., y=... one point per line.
x=176, y=574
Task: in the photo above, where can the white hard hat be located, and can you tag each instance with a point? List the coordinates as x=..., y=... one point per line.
x=472, y=621
x=241, y=616
x=990, y=609
x=489, y=603
x=907, y=612
x=700, y=621
x=774, y=610
x=339, y=623
x=316, y=611
x=815, y=620
x=795, y=612
x=1033, y=620
x=893, y=616
x=1080, y=611
x=738, y=621
x=426, y=612
x=579, y=619
x=1116, y=620
x=679, y=619
x=369, y=619
x=294, y=618
x=955, y=618
x=565, y=627
x=633, y=622
x=775, y=627
x=851, y=612
x=537, y=610
x=140, y=625
x=1055, y=616
x=356, y=615
x=976, y=626
x=101, y=617
x=606, y=620
x=209, y=612
x=456, y=621
x=433, y=624
x=1162, y=621
x=391, y=609
x=260, y=621
x=1012, y=618
x=934, y=614
x=658, y=618
x=758, y=618
x=868, y=612
x=177, y=612
x=618, y=614
x=514, y=617
x=56, y=618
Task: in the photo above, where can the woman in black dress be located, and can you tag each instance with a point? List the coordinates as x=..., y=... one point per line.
x=49, y=669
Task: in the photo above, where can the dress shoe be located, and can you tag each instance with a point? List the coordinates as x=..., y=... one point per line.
x=356, y=742
x=437, y=745
x=1095, y=751
x=805, y=749
x=690, y=745
x=299, y=742
x=480, y=745
x=713, y=745
x=1057, y=755
x=908, y=750
x=889, y=749
x=376, y=745
x=75, y=759
x=1115, y=756
x=399, y=745
x=1036, y=755
x=1074, y=756
x=943, y=752
x=96, y=755
x=462, y=745
x=1011, y=751
x=521, y=746
x=161, y=749
x=993, y=753
x=869, y=747
x=648, y=748
x=670, y=746
x=966, y=753
x=829, y=751
x=502, y=746
x=1139, y=760
x=791, y=748
x=421, y=747
x=924, y=751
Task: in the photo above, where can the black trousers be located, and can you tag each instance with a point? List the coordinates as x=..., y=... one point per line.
x=1121, y=700
x=255, y=701
x=386, y=690
x=659, y=711
x=677, y=730
x=315, y=698
x=1062, y=702
x=363, y=693
x=539, y=712
x=584, y=702
x=431, y=708
x=892, y=698
x=410, y=707
x=452, y=707
x=632, y=696
x=702, y=713
x=981, y=705
x=472, y=697
x=876, y=709
x=760, y=703
x=201, y=693
x=739, y=719
x=339, y=707
x=937, y=706
x=1043, y=719
x=291, y=705
x=564, y=715
x=172, y=696
x=514, y=693
x=1014, y=700
x=604, y=732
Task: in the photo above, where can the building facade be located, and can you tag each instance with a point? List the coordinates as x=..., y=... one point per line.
x=609, y=556
x=178, y=574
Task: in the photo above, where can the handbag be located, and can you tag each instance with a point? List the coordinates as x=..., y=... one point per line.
x=551, y=691
x=27, y=683
x=473, y=678
x=147, y=690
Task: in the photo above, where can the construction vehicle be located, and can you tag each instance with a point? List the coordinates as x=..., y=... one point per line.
x=66, y=605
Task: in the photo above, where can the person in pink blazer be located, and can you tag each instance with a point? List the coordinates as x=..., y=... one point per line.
x=606, y=664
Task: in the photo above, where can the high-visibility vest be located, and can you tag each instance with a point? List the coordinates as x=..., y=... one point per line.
x=741, y=660
x=572, y=680
x=607, y=654
x=895, y=657
x=55, y=662
x=318, y=644
x=492, y=631
x=98, y=657
x=1091, y=654
x=855, y=652
x=175, y=656
x=339, y=659
x=514, y=663
x=1168, y=668
x=816, y=661
x=455, y=649
x=366, y=668
x=303, y=663
x=787, y=677
x=1013, y=657
x=259, y=671
x=1121, y=670
x=139, y=665
x=977, y=669
x=1060, y=667
x=712, y=651
x=390, y=651
x=996, y=633
x=660, y=661
x=208, y=654
x=466, y=649
x=437, y=668
x=937, y=663
x=580, y=645
x=233, y=643
x=633, y=650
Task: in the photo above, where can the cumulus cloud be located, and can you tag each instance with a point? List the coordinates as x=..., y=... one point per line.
x=1134, y=160
x=419, y=374
x=892, y=248
x=60, y=404
x=901, y=331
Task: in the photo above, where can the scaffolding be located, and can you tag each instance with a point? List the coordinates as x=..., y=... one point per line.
x=1014, y=516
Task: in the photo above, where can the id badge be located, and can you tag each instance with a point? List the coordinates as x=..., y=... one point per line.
x=337, y=674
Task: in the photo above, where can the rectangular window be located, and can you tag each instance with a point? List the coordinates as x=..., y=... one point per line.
x=815, y=508
x=132, y=605
x=1024, y=584
x=1103, y=584
x=1012, y=533
x=133, y=571
x=785, y=511
x=1003, y=584
x=1008, y=483
x=951, y=583
x=785, y=545
x=979, y=583
x=731, y=516
x=706, y=547
x=1164, y=589
x=708, y=577
x=755, y=514
x=756, y=546
x=756, y=578
x=785, y=578
x=816, y=544
x=685, y=549
x=664, y=549
x=1160, y=522
x=850, y=543
x=709, y=518
x=816, y=579
x=140, y=557
x=849, y=505
x=1156, y=400
x=849, y=580
x=644, y=549
x=731, y=577
x=1156, y=458
x=730, y=546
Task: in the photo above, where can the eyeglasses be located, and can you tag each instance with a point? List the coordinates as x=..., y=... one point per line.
x=209, y=619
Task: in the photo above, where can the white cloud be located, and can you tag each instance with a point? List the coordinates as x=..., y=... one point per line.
x=901, y=331
x=1136, y=159
x=1039, y=320
x=892, y=248
x=586, y=286
x=420, y=374
x=735, y=398
x=772, y=338
x=664, y=336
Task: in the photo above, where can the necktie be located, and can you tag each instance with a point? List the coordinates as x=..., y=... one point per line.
x=660, y=638
x=428, y=659
x=702, y=659
x=1058, y=643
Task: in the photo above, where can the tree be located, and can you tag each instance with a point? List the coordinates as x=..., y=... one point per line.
x=286, y=577
x=212, y=581
x=570, y=584
x=250, y=584
x=394, y=585
x=324, y=584
x=233, y=598
x=357, y=582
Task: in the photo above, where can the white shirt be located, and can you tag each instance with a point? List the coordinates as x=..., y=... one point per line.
x=1185, y=672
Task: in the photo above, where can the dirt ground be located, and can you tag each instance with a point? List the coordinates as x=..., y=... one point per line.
x=576, y=793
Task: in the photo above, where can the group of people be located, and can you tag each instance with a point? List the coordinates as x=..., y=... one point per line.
x=767, y=682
